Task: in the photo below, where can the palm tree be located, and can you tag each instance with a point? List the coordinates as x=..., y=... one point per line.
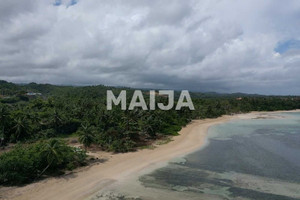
x=2, y=138
x=20, y=128
x=4, y=122
x=56, y=120
x=151, y=124
x=86, y=135
x=4, y=114
x=52, y=153
x=131, y=119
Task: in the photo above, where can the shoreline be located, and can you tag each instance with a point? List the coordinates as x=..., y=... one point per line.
x=91, y=179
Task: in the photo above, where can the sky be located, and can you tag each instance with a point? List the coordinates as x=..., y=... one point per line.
x=250, y=46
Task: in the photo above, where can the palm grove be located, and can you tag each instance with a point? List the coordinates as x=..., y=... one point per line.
x=35, y=124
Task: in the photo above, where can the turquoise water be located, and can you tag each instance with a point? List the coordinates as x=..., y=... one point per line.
x=255, y=159
x=245, y=159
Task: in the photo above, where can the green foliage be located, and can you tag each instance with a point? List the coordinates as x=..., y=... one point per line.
x=25, y=163
x=116, y=140
x=61, y=110
x=87, y=135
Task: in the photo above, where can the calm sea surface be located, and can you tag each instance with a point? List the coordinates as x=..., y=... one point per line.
x=244, y=159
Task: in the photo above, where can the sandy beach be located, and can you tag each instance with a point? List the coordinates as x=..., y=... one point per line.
x=88, y=180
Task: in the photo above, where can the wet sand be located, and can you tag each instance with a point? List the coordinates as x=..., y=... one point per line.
x=120, y=167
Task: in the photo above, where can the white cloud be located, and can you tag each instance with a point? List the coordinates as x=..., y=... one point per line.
x=219, y=45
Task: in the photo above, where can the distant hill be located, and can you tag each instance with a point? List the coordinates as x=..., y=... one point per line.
x=10, y=89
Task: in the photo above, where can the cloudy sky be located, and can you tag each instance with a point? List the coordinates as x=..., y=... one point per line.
x=248, y=46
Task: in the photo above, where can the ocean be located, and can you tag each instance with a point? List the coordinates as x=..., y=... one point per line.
x=255, y=159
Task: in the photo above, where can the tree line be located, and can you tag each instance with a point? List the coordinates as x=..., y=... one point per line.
x=64, y=111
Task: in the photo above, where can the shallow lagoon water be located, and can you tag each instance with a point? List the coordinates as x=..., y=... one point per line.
x=243, y=159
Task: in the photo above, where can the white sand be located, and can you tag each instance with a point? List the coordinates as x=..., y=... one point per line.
x=119, y=167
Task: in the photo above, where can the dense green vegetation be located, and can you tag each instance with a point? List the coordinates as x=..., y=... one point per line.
x=62, y=111
x=66, y=110
x=26, y=163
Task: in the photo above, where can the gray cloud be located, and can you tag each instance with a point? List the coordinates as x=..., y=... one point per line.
x=207, y=45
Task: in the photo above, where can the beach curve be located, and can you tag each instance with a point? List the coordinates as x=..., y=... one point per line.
x=86, y=182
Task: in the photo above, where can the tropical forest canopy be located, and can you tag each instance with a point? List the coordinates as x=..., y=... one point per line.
x=34, y=115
